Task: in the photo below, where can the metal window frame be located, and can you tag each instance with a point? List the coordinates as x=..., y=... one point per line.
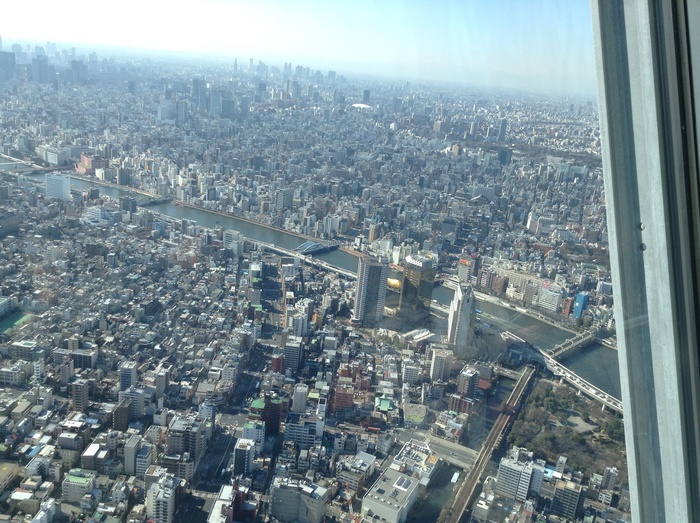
x=648, y=128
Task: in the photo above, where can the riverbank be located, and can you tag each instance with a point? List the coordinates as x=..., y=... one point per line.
x=182, y=203
x=532, y=314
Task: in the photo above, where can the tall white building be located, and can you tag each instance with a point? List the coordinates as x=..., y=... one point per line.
x=460, y=323
x=441, y=365
x=161, y=490
x=301, y=394
x=468, y=382
x=255, y=430
x=128, y=374
x=370, y=293
x=409, y=372
x=516, y=478
x=549, y=298
x=513, y=480
x=58, y=186
x=131, y=449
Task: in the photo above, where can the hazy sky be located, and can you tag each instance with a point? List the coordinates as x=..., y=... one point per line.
x=541, y=44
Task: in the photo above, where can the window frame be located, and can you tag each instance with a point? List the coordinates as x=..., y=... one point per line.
x=646, y=101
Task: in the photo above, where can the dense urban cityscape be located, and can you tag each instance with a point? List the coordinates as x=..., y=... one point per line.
x=239, y=291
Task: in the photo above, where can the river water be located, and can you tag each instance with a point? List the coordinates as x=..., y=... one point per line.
x=596, y=363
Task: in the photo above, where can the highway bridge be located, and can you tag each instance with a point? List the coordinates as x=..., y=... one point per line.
x=567, y=375
x=506, y=373
x=578, y=382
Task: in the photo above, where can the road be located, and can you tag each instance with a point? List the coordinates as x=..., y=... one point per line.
x=454, y=453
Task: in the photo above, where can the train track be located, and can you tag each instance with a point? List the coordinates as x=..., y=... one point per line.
x=467, y=491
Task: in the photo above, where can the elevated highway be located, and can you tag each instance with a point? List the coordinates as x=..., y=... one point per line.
x=578, y=382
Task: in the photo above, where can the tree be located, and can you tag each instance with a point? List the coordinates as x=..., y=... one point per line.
x=615, y=429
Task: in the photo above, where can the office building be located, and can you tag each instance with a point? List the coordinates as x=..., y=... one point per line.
x=468, y=382
x=293, y=355
x=417, y=284
x=145, y=457
x=353, y=471
x=127, y=374
x=609, y=478
x=234, y=241
x=7, y=66
x=186, y=434
x=502, y=130
x=301, y=394
x=391, y=497
x=441, y=365
x=243, y=455
x=58, y=187
x=306, y=430
x=568, y=499
x=462, y=317
x=409, y=372
x=131, y=449
x=370, y=290
x=121, y=415
x=268, y=410
x=298, y=501
x=76, y=484
x=137, y=407
x=466, y=268
x=81, y=390
x=513, y=480
x=580, y=304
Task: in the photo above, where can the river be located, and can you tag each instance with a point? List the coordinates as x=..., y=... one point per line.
x=596, y=363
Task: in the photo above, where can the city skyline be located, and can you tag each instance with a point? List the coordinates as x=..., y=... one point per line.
x=543, y=45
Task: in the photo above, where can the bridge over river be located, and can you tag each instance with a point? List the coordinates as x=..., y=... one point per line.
x=550, y=359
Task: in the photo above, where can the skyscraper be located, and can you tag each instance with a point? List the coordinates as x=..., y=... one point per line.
x=502, y=130
x=370, y=293
x=460, y=323
x=418, y=281
x=58, y=187
x=7, y=66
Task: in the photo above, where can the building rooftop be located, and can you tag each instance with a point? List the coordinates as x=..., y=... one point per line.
x=392, y=489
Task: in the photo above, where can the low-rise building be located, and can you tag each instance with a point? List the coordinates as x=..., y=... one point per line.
x=391, y=498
